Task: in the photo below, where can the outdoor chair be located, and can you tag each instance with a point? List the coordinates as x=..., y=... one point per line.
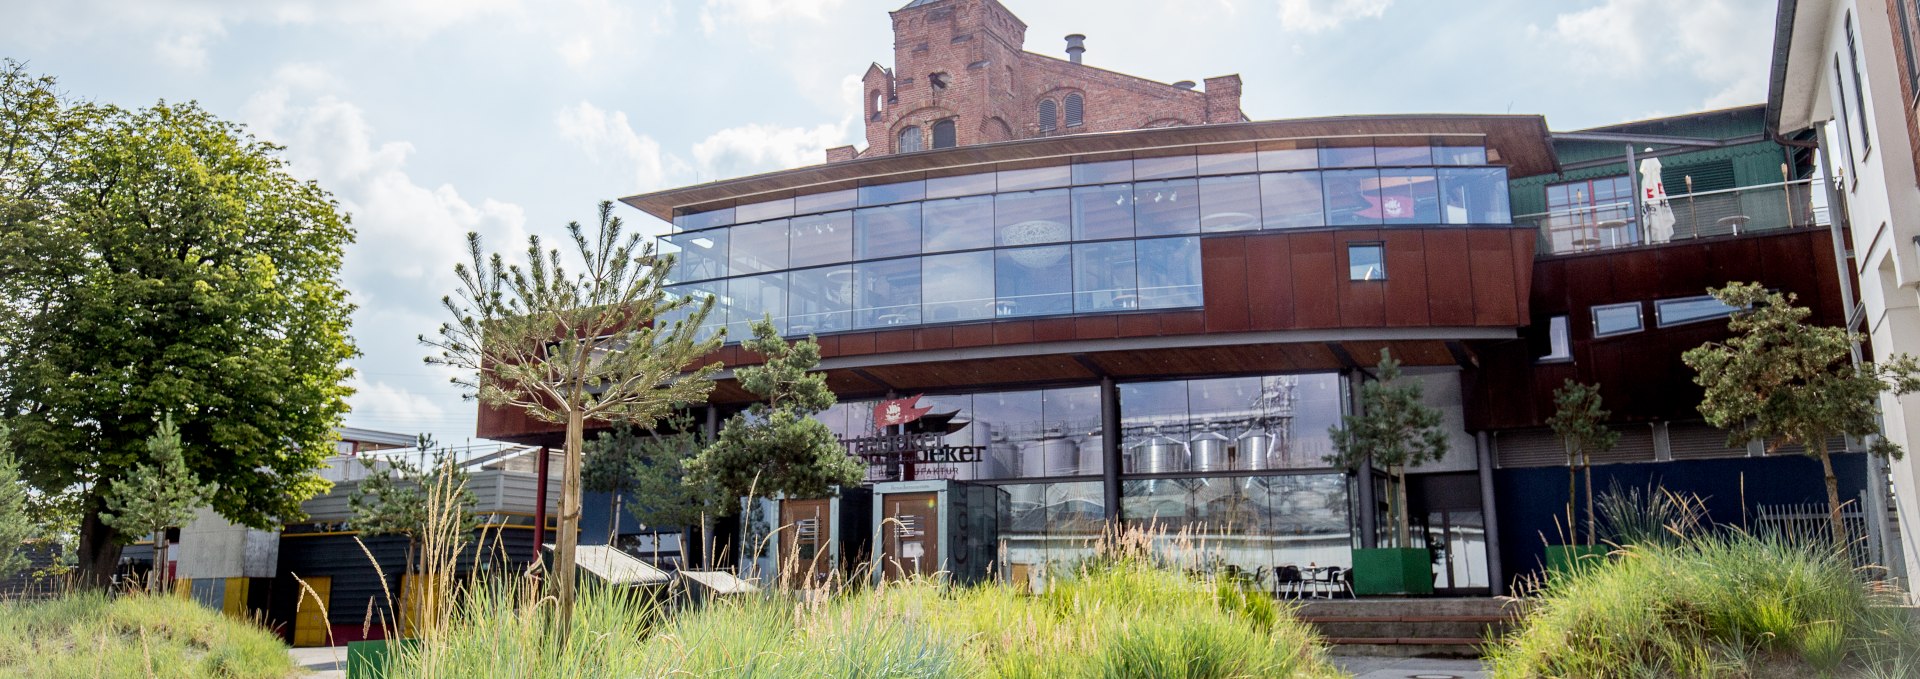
x=1288, y=580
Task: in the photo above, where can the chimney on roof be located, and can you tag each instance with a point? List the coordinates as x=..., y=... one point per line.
x=1076, y=46
x=1184, y=84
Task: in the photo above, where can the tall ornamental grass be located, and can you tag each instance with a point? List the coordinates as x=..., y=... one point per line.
x=1123, y=617
x=133, y=635
x=1712, y=605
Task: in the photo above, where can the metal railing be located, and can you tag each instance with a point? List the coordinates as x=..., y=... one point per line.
x=1703, y=214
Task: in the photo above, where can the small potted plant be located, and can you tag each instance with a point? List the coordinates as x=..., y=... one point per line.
x=1580, y=423
x=1393, y=430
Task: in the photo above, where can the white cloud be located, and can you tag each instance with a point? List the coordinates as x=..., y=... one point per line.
x=1638, y=39
x=384, y=406
x=717, y=12
x=752, y=148
x=1314, y=16
x=606, y=137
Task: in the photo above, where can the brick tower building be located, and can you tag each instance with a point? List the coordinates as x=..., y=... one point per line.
x=961, y=77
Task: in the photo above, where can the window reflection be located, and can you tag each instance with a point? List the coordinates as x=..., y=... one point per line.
x=690, y=221
x=1103, y=172
x=1228, y=163
x=1252, y=526
x=1403, y=155
x=753, y=212
x=1288, y=159
x=1230, y=203
x=1476, y=195
x=754, y=298
x=1032, y=217
x=1169, y=272
x=1409, y=197
x=1353, y=197
x=1034, y=178
x=1104, y=277
x=702, y=255
x=886, y=231
x=1101, y=212
x=1239, y=424
x=886, y=293
x=958, y=224
x=1033, y=281
x=819, y=300
x=716, y=318
x=758, y=247
x=1349, y=156
x=1165, y=208
x=1290, y=200
x=823, y=202
x=961, y=185
x=882, y=194
x=1459, y=155
x=1165, y=167
x=957, y=287
x=820, y=239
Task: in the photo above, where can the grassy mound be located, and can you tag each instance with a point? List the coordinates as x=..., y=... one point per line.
x=1732, y=605
x=133, y=635
x=1119, y=619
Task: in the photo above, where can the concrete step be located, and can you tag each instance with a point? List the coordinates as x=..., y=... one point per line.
x=1404, y=648
x=1454, y=628
x=1466, y=629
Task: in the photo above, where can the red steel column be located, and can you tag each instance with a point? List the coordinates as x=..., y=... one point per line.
x=540, y=504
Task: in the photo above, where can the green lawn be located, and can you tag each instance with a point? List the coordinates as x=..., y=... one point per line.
x=133, y=635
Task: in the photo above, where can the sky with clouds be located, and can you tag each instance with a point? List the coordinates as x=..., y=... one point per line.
x=428, y=119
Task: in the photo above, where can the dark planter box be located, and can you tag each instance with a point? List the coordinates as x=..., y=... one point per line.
x=1392, y=571
x=1563, y=559
x=369, y=659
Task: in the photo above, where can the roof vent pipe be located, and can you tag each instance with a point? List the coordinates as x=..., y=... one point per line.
x=1076, y=46
x=1184, y=84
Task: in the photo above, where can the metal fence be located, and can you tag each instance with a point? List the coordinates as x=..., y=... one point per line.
x=1705, y=214
x=1812, y=523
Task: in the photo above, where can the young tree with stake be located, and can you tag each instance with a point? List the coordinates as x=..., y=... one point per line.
x=1580, y=423
x=157, y=496
x=571, y=346
x=1394, y=430
x=1782, y=381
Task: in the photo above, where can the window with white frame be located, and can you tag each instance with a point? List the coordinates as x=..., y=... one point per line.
x=1617, y=319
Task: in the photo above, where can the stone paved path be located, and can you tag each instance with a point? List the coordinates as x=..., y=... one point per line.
x=321, y=663
x=1364, y=667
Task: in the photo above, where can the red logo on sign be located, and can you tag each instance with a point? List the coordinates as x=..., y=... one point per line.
x=899, y=411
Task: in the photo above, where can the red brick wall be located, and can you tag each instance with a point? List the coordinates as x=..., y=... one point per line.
x=1907, y=94
x=993, y=88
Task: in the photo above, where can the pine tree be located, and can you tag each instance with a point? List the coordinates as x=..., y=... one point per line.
x=776, y=446
x=1782, y=381
x=1580, y=423
x=157, y=495
x=1394, y=430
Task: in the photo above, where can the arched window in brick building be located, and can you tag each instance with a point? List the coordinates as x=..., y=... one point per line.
x=1076, y=113
x=874, y=105
x=909, y=140
x=1047, y=117
x=943, y=134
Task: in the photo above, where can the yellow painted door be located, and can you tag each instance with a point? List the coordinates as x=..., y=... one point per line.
x=310, y=619
x=233, y=601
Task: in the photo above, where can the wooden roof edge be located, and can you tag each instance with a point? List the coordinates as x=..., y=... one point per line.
x=1523, y=140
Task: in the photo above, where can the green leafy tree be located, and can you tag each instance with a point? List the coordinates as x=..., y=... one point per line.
x=776, y=446
x=165, y=261
x=15, y=526
x=416, y=501
x=1580, y=423
x=1394, y=430
x=573, y=346
x=651, y=467
x=1782, y=381
x=157, y=496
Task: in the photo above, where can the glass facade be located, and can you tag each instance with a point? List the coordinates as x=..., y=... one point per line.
x=1086, y=237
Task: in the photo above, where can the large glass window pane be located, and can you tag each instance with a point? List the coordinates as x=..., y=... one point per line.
x=1353, y=197
x=886, y=293
x=1104, y=278
x=1230, y=203
x=886, y=231
x=1153, y=420
x=754, y=298
x=1006, y=422
x=1288, y=159
x=1305, y=408
x=1403, y=155
x=820, y=239
x=824, y=202
x=1032, y=217
x=1101, y=212
x=1165, y=167
x=957, y=287
x=1228, y=163
x=691, y=221
x=1476, y=195
x=700, y=292
x=1220, y=411
x=1035, y=178
x=1618, y=319
x=754, y=212
x=1166, y=208
x=700, y=255
x=1033, y=281
x=1290, y=200
x=958, y=224
x=819, y=300
x=1169, y=272
x=1409, y=197
x=1366, y=262
x=1347, y=156
x=962, y=185
x=899, y=192
x=758, y=247
x=1103, y=172
x=1460, y=155
x=1071, y=419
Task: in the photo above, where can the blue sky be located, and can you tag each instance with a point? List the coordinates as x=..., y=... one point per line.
x=431, y=118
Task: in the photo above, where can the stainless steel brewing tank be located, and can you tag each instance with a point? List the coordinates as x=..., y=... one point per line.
x=1056, y=456
x=1207, y=452
x=1093, y=453
x=1253, y=451
x=1159, y=455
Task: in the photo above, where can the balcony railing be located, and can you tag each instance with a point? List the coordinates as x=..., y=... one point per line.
x=1705, y=214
